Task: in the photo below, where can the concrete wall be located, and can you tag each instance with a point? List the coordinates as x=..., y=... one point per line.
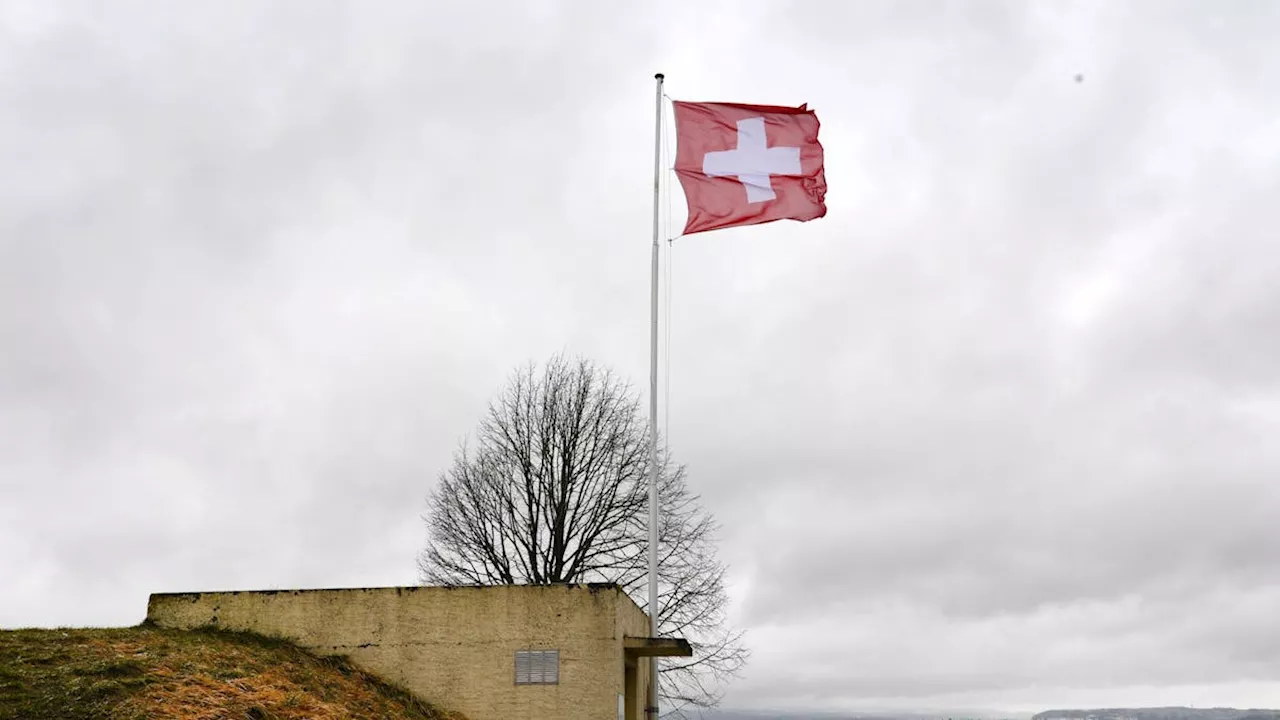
x=633, y=622
x=454, y=647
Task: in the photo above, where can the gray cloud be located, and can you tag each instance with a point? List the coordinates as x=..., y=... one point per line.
x=997, y=431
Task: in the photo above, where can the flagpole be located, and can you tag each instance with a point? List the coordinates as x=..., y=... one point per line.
x=652, y=706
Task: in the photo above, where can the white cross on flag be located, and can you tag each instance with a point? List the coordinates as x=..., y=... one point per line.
x=748, y=164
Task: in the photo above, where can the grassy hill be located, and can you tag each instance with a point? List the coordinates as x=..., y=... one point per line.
x=146, y=672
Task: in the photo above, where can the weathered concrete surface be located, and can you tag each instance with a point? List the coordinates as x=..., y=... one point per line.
x=454, y=647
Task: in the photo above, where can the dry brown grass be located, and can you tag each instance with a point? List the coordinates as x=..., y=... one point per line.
x=146, y=672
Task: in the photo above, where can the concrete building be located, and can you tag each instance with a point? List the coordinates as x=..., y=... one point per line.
x=511, y=652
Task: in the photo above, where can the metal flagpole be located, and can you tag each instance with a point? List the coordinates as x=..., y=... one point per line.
x=652, y=705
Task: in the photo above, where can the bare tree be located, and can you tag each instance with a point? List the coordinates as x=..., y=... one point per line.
x=554, y=489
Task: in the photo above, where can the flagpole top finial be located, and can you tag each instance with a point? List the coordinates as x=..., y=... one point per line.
x=659, y=76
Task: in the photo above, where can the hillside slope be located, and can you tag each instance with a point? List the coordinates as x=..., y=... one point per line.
x=147, y=672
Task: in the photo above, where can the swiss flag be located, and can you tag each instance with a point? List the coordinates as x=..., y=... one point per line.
x=748, y=164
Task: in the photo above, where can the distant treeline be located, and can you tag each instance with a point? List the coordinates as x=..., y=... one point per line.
x=1169, y=713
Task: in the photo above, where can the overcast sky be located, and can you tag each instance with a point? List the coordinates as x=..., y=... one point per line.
x=999, y=431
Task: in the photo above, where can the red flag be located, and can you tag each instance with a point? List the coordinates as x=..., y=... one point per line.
x=748, y=164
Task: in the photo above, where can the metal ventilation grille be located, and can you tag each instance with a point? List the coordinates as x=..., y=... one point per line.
x=537, y=667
